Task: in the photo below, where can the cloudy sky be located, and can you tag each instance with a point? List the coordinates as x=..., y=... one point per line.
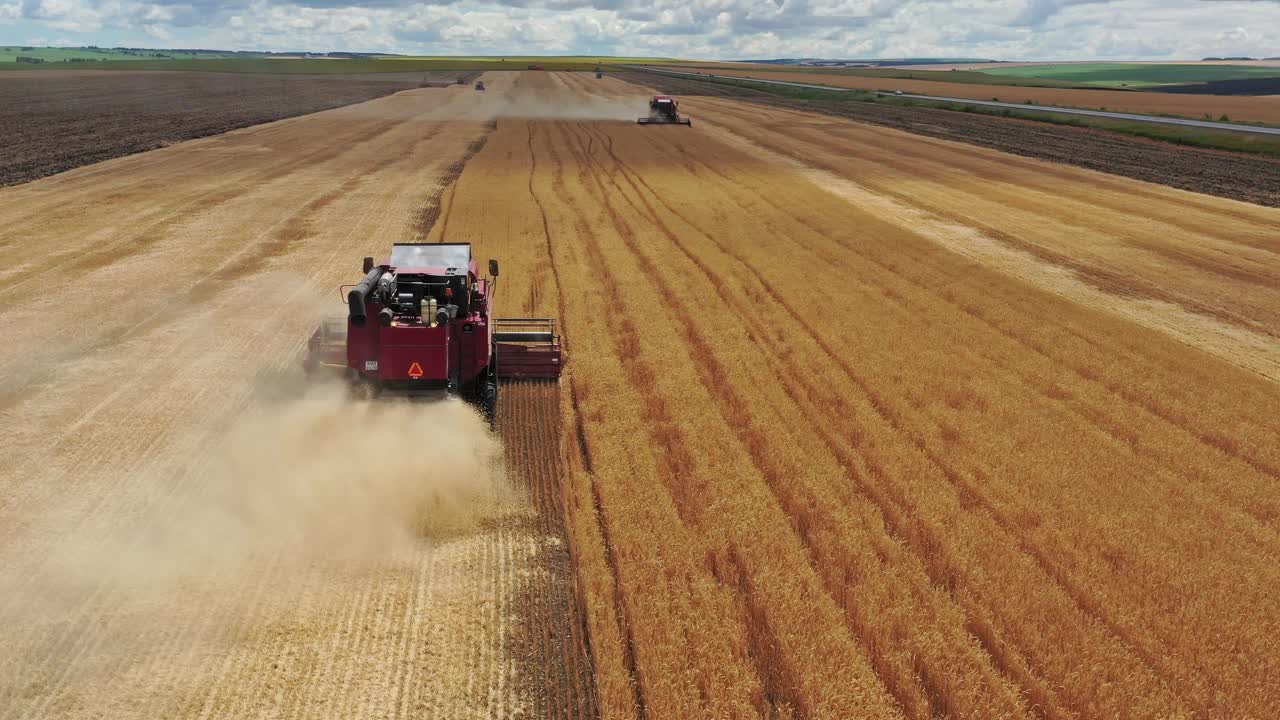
x=725, y=29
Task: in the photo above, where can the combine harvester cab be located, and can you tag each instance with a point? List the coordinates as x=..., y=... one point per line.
x=419, y=325
x=664, y=110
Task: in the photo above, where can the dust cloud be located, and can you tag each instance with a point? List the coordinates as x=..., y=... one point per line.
x=572, y=107
x=313, y=490
x=324, y=479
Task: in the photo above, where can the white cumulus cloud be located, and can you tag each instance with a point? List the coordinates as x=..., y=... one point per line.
x=731, y=29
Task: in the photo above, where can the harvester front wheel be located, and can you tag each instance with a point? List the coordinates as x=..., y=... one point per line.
x=489, y=402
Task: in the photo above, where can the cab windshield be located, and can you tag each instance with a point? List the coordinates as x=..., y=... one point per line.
x=454, y=257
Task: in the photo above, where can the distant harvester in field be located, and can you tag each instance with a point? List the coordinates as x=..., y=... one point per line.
x=664, y=110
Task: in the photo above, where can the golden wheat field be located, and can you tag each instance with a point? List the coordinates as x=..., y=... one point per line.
x=855, y=424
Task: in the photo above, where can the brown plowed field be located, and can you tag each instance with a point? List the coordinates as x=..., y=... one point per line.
x=856, y=423
x=1237, y=107
x=51, y=121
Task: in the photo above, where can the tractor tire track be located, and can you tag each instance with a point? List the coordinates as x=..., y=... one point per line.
x=431, y=208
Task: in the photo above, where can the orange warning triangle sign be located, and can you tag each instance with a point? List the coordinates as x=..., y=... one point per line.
x=415, y=370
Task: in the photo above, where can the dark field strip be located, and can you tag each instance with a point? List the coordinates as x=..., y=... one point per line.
x=1240, y=86
x=52, y=122
x=1230, y=175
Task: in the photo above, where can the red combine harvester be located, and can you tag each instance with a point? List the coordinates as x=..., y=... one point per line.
x=664, y=110
x=419, y=325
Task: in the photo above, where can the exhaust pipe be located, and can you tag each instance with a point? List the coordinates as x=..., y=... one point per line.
x=355, y=299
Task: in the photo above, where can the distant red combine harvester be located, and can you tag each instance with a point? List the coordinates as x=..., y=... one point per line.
x=664, y=110
x=419, y=325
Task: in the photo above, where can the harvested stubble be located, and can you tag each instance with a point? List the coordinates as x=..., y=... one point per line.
x=165, y=554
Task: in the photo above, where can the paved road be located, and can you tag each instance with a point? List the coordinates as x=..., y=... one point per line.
x=1017, y=106
x=1101, y=113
